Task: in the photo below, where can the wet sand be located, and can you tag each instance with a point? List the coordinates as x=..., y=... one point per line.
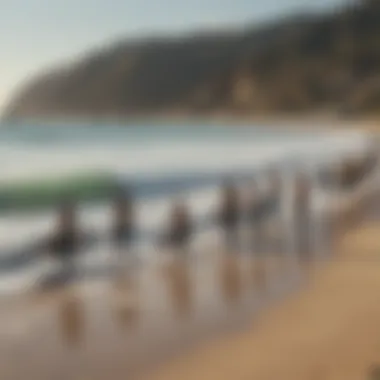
x=329, y=330
x=113, y=329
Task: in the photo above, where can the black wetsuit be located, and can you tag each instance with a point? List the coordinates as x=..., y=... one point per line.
x=122, y=235
x=229, y=220
x=123, y=227
x=64, y=245
x=179, y=234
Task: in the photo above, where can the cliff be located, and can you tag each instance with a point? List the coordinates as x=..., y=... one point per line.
x=321, y=63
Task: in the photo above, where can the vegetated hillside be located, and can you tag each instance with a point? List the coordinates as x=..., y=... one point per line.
x=326, y=62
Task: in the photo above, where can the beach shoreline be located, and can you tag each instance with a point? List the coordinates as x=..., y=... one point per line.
x=330, y=324
x=104, y=336
x=327, y=330
x=104, y=319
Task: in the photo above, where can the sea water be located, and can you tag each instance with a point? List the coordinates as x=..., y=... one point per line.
x=161, y=163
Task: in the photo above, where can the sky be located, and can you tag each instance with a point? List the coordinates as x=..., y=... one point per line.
x=35, y=34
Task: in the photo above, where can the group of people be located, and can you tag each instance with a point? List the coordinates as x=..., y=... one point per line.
x=258, y=211
x=68, y=239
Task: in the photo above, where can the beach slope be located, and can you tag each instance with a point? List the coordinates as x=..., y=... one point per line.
x=329, y=330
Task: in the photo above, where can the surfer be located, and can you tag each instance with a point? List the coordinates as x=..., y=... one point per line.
x=66, y=238
x=180, y=227
x=63, y=245
x=229, y=214
x=123, y=224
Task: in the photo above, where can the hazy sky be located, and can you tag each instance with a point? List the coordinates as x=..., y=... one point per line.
x=37, y=33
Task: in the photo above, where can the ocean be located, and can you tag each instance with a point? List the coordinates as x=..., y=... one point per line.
x=159, y=163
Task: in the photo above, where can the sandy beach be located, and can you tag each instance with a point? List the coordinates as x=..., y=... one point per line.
x=211, y=318
x=329, y=330
x=129, y=325
x=194, y=318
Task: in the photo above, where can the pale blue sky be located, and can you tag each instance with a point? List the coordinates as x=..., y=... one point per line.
x=36, y=33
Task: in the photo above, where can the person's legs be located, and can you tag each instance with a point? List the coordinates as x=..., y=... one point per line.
x=231, y=238
x=67, y=265
x=180, y=244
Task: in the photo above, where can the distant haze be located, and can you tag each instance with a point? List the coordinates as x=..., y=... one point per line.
x=36, y=33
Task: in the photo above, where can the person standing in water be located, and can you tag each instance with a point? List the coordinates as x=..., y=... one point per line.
x=62, y=244
x=302, y=217
x=229, y=215
x=180, y=227
x=123, y=223
x=66, y=239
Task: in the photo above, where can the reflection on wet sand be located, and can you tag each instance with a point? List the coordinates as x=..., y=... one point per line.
x=258, y=272
x=269, y=265
x=125, y=301
x=282, y=265
x=177, y=278
x=71, y=318
x=231, y=281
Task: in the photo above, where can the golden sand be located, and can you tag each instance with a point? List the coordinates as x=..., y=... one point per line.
x=330, y=330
